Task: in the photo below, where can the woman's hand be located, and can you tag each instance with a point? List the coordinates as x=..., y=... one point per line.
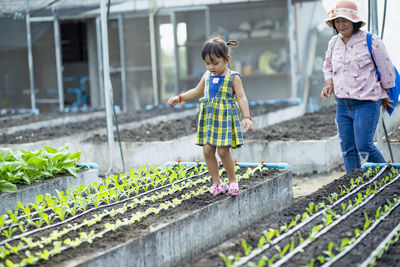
x=326, y=92
x=173, y=100
x=386, y=103
x=248, y=124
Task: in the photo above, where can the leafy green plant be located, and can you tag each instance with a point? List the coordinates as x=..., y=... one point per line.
x=246, y=247
x=329, y=251
x=282, y=251
x=228, y=260
x=26, y=167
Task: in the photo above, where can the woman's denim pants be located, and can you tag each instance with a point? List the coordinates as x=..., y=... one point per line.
x=357, y=121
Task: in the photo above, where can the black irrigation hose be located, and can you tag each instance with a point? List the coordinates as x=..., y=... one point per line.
x=387, y=140
x=93, y=209
x=119, y=139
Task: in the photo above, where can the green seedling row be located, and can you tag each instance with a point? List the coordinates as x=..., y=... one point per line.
x=46, y=246
x=273, y=236
x=358, y=202
x=80, y=197
x=382, y=248
x=55, y=235
x=72, y=203
x=329, y=256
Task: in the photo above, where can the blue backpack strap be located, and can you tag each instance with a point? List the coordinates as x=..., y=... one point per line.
x=369, y=41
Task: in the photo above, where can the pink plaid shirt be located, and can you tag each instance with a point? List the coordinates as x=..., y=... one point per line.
x=352, y=70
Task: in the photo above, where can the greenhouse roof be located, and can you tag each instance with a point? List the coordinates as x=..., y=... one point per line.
x=17, y=8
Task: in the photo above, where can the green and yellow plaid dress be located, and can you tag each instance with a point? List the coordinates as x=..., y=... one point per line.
x=219, y=122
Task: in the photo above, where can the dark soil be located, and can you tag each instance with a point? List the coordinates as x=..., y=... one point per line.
x=22, y=119
x=143, y=227
x=313, y=126
x=233, y=246
x=50, y=132
x=343, y=229
x=148, y=133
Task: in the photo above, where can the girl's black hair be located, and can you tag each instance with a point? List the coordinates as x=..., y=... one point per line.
x=356, y=27
x=217, y=47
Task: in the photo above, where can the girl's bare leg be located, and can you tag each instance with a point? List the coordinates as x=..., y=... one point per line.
x=212, y=164
x=228, y=163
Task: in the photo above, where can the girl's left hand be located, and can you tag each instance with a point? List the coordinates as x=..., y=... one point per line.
x=248, y=124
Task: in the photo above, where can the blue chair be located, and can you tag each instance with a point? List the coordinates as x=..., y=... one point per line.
x=81, y=97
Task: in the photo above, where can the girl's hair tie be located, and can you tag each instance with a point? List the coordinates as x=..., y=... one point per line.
x=232, y=43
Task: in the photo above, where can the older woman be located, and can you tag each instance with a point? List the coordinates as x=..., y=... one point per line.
x=350, y=74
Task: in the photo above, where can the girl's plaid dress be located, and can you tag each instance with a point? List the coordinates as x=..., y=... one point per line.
x=219, y=122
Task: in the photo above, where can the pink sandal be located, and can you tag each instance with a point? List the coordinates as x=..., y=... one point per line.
x=233, y=189
x=218, y=189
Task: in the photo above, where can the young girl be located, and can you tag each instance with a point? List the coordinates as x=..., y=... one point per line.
x=219, y=125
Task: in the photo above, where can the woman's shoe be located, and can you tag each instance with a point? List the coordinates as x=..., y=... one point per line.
x=233, y=189
x=218, y=189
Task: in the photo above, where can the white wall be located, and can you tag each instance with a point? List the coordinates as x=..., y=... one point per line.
x=304, y=18
x=391, y=35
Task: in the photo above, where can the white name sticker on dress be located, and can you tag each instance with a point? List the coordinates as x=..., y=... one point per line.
x=215, y=80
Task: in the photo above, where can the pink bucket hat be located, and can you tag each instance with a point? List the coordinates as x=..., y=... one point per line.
x=344, y=9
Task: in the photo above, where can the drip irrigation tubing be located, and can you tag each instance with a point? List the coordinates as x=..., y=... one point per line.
x=326, y=229
x=64, y=248
x=97, y=235
x=380, y=246
x=258, y=251
x=361, y=237
x=93, y=209
x=69, y=203
x=100, y=216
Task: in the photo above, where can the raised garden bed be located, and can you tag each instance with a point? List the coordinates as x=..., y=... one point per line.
x=341, y=224
x=147, y=150
x=150, y=218
x=33, y=129
x=175, y=140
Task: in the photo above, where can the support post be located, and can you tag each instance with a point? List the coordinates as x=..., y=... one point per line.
x=293, y=76
x=207, y=20
x=100, y=62
x=122, y=61
x=30, y=58
x=107, y=82
x=57, y=43
x=153, y=53
x=176, y=51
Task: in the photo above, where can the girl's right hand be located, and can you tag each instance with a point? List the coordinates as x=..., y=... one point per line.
x=326, y=92
x=173, y=100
